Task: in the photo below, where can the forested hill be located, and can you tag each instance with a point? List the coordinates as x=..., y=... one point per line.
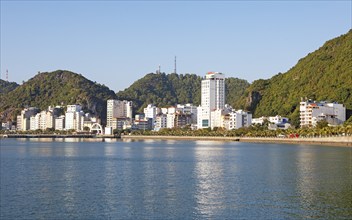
x=6, y=86
x=169, y=89
x=325, y=74
x=56, y=88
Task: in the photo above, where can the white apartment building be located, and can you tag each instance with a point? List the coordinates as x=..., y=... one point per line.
x=278, y=119
x=46, y=120
x=160, y=122
x=72, y=119
x=236, y=119
x=311, y=112
x=19, y=123
x=216, y=118
x=212, y=98
x=150, y=112
x=170, y=120
x=79, y=121
x=189, y=109
x=117, y=109
x=272, y=119
x=35, y=122
x=60, y=123
x=42, y=120
x=23, y=120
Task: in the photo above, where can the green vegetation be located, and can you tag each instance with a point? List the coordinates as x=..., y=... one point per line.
x=325, y=74
x=6, y=87
x=56, y=88
x=253, y=131
x=170, y=89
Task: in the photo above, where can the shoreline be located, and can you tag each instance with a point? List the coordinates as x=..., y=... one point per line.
x=56, y=136
x=343, y=141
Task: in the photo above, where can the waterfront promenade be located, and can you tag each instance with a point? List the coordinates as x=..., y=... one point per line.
x=334, y=141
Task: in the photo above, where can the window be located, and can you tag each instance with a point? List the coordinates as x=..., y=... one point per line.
x=205, y=123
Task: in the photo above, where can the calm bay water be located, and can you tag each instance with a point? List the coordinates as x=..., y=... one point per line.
x=80, y=179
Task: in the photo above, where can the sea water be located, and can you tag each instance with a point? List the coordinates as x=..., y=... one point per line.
x=156, y=179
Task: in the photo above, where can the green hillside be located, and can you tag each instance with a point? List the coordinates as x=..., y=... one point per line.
x=325, y=74
x=170, y=89
x=6, y=86
x=56, y=88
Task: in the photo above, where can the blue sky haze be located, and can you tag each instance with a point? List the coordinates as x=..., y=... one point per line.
x=117, y=42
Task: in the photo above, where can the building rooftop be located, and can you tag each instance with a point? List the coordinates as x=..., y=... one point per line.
x=212, y=75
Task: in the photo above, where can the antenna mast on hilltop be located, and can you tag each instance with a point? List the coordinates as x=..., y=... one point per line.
x=158, y=71
x=175, y=65
x=7, y=75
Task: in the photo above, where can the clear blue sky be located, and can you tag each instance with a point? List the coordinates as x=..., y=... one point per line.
x=117, y=42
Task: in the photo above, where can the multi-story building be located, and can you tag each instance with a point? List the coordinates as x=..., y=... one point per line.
x=182, y=120
x=278, y=119
x=19, y=123
x=190, y=110
x=117, y=112
x=160, y=122
x=72, y=119
x=35, y=122
x=60, y=123
x=272, y=119
x=170, y=120
x=212, y=98
x=23, y=120
x=217, y=118
x=236, y=119
x=150, y=112
x=142, y=123
x=311, y=112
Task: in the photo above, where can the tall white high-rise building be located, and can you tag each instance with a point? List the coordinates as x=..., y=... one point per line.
x=117, y=109
x=212, y=97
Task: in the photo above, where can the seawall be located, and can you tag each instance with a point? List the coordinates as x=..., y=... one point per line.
x=345, y=141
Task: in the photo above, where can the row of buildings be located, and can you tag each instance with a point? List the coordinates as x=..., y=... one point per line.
x=311, y=112
x=213, y=112
x=55, y=118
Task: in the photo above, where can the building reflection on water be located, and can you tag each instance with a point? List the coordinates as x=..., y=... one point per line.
x=160, y=179
x=210, y=190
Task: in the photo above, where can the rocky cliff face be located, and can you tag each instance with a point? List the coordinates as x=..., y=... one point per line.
x=253, y=100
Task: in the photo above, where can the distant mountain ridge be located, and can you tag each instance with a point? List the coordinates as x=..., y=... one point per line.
x=56, y=88
x=169, y=89
x=325, y=74
x=6, y=86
